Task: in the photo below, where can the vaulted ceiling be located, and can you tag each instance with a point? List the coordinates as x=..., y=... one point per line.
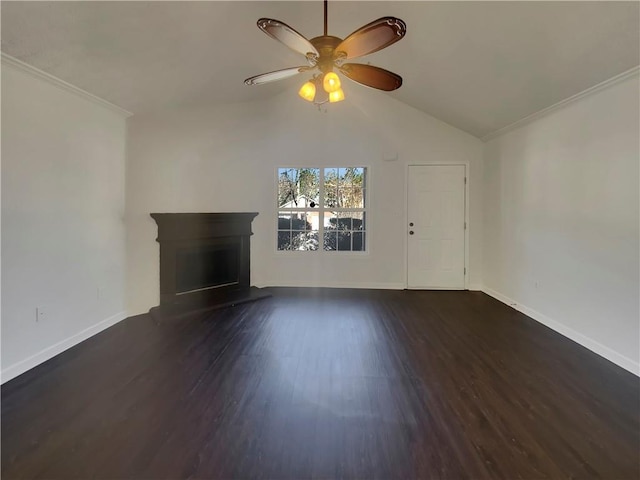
x=478, y=66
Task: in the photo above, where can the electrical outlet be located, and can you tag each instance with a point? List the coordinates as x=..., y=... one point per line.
x=40, y=316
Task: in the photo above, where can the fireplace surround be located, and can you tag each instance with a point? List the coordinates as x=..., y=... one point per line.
x=204, y=260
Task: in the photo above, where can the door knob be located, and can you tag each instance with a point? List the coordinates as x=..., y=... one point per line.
x=410, y=232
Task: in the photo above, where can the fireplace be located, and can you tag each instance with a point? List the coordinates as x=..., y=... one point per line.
x=204, y=260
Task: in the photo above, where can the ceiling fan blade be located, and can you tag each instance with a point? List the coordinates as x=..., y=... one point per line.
x=372, y=37
x=277, y=75
x=371, y=76
x=287, y=35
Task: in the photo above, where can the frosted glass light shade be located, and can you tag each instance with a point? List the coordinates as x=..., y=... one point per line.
x=331, y=82
x=308, y=91
x=336, y=96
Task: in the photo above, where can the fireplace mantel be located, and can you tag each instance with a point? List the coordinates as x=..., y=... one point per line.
x=191, y=226
x=204, y=260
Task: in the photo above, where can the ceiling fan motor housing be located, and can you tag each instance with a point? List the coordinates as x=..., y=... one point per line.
x=326, y=45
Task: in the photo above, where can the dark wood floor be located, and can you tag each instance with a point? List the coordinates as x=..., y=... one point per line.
x=326, y=384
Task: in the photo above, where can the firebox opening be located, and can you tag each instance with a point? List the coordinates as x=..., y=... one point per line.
x=206, y=266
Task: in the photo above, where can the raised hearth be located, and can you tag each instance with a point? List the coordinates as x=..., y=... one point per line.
x=204, y=261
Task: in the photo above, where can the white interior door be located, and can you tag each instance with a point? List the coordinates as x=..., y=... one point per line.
x=436, y=226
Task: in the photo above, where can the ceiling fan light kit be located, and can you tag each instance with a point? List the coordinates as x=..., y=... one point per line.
x=326, y=54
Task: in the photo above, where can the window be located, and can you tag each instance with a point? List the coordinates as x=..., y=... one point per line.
x=322, y=209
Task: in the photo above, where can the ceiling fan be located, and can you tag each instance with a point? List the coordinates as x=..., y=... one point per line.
x=327, y=53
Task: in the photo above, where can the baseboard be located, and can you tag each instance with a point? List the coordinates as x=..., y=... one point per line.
x=42, y=356
x=359, y=285
x=596, y=347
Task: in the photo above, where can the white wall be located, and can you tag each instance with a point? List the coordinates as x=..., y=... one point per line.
x=225, y=159
x=63, y=166
x=560, y=226
x=561, y=220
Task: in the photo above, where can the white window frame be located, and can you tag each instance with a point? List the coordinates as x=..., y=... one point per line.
x=321, y=210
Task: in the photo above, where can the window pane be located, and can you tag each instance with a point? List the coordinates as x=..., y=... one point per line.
x=284, y=240
x=297, y=241
x=313, y=220
x=351, y=186
x=298, y=187
x=311, y=240
x=358, y=241
x=344, y=241
x=284, y=220
x=357, y=219
x=330, y=187
x=330, y=240
x=330, y=196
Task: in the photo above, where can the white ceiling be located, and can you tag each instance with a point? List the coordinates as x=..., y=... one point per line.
x=479, y=66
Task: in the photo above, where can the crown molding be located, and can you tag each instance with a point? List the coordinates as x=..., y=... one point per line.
x=563, y=103
x=8, y=60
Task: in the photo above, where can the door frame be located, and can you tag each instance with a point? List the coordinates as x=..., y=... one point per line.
x=467, y=166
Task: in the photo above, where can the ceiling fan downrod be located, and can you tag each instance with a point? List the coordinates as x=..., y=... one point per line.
x=326, y=8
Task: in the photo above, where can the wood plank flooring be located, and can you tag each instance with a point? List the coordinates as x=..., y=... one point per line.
x=325, y=383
